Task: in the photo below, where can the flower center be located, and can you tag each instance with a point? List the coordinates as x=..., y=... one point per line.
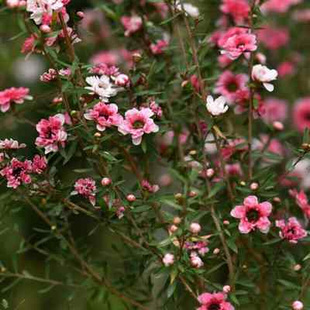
x=232, y=87
x=214, y=307
x=138, y=124
x=252, y=215
x=17, y=171
x=307, y=116
x=241, y=46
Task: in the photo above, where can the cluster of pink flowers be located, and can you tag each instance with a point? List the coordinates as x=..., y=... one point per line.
x=52, y=133
x=86, y=188
x=18, y=172
x=13, y=95
x=10, y=144
x=215, y=301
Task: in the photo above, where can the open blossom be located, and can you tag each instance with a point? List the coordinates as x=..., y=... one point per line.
x=51, y=133
x=238, y=9
x=188, y=8
x=102, y=86
x=131, y=24
x=302, y=201
x=253, y=215
x=39, y=164
x=42, y=10
x=215, y=301
x=218, y=106
x=273, y=38
x=229, y=84
x=291, y=230
x=168, y=259
x=196, y=261
x=13, y=95
x=17, y=173
x=239, y=44
x=10, y=144
x=86, y=188
x=264, y=75
x=301, y=114
x=159, y=47
x=137, y=123
x=105, y=115
x=275, y=110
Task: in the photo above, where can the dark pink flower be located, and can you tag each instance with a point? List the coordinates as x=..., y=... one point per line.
x=239, y=44
x=215, y=301
x=13, y=95
x=146, y=185
x=51, y=133
x=229, y=84
x=39, y=164
x=253, y=215
x=286, y=68
x=137, y=123
x=274, y=38
x=301, y=114
x=105, y=115
x=131, y=24
x=86, y=188
x=291, y=230
x=275, y=110
x=29, y=44
x=238, y=9
x=17, y=172
x=159, y=47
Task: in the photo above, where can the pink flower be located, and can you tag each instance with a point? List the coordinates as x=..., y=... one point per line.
x=278, y=6
x=253, y=215
x=156, y=109
x=105, y=115
x=10, y=144
x=286, y=68
x=51, y=133
x=137, y=123
x=301, y=114
x=122, y=80
x=274, y=38
x=168, y=259
x=264, y=75
x=148, y=187
x=291, y=230
x=215, y=301
x=229, y=83
x=239, y=44
x=86, y=188
x=131, y=24
x=159, y=47
x=13, y=95
x=39, y=164
x=48, y=76
x=238, y=9
x=17, y=172
x=196, y=261
x=221, y=38
x=15, y=3
x=29, y=44
x=275, y=110
x=302, y=201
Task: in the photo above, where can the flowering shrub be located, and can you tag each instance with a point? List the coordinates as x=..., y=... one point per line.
x=166, y=163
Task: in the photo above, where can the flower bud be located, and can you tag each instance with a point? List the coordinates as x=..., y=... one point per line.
x=210, y=173
x=193, y=152
x=97, y=135
x=136, y=57
x=297, y=305
x=242, y=183
x=216, y=251
x=80, y=14
x=173, y=228
x=254, y=186
x=131, y=197
x=192, y=194
x=122, y=80
x=195, y=228
x=297, y=267
x=177, y=220
x=106, y=181
x=45, y=28
x=168, y=259
x=226, y=222
x=178, y=196
x=278, y=126
x=226, y=289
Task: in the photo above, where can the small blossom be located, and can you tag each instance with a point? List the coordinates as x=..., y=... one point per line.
x=291, y=230
x=218, y=106
x=51, y=133
x=17, y=173
x=264, y=75
x=157, y=110
x=253, y=215
x=13, y=95
x=188, y=8
x=39, y=164
x=10, y=144
x=297, y=305
x=87, y=188
x=148, y=187
x=226, y=289
x=122, y=80
x=48, y=76
x=102, y=86
x=215, y=301
x=105, y=115
x=195, y=228
x=131, y=24
x=137, y=123
x=131, y=197
x=196, y=261
x=159, y=47
x=168, y=259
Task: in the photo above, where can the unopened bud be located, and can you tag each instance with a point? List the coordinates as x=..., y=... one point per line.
x=192, y=152
x=178, y=196
x=131, y=197
x=97, y=135
x=80, y=14
x=106, y=181
x=195, y=228
x=173, y=228
x=177, y=220
x=277, y=199
x=278, y=126
x=226, y=289
x=297, y=267
x=216, y=251
x=242, y=183
x=45, y=28
x=297, y=305
x=210, y=173
x=306, y=147
x=192, y=194
x=136, y=57
x=226, y=222
x=254, y=186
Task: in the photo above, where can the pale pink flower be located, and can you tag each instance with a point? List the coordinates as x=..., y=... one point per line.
x=122, y=80
x=188, y=8
x=297, y=305
x=149, y=187
x=105, y=115
x=13, y=95
x=10, y=144
x=239, y=44
x=291, y=230
x=195, y=228
x=218, y=106
x=264, y=75
x=229, y=83
x=253, y=215
x=278, y=6
x=51, y=133
x=286, y=68
x=197, y=246
x=275, y=110
x=301, y=114
x=196, y=261
x=105, y=69
x=215, y=301
x=238, y=9
x=137, y=123
x=15, y=3
x=86, y=188
x=168, y=259
x=17, y=173
x=131, y=24
x=39, y=164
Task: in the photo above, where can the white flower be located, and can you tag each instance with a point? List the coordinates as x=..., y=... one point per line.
x=264, y=75
x=218, y=106
x=188, y=8
x=102, y=86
